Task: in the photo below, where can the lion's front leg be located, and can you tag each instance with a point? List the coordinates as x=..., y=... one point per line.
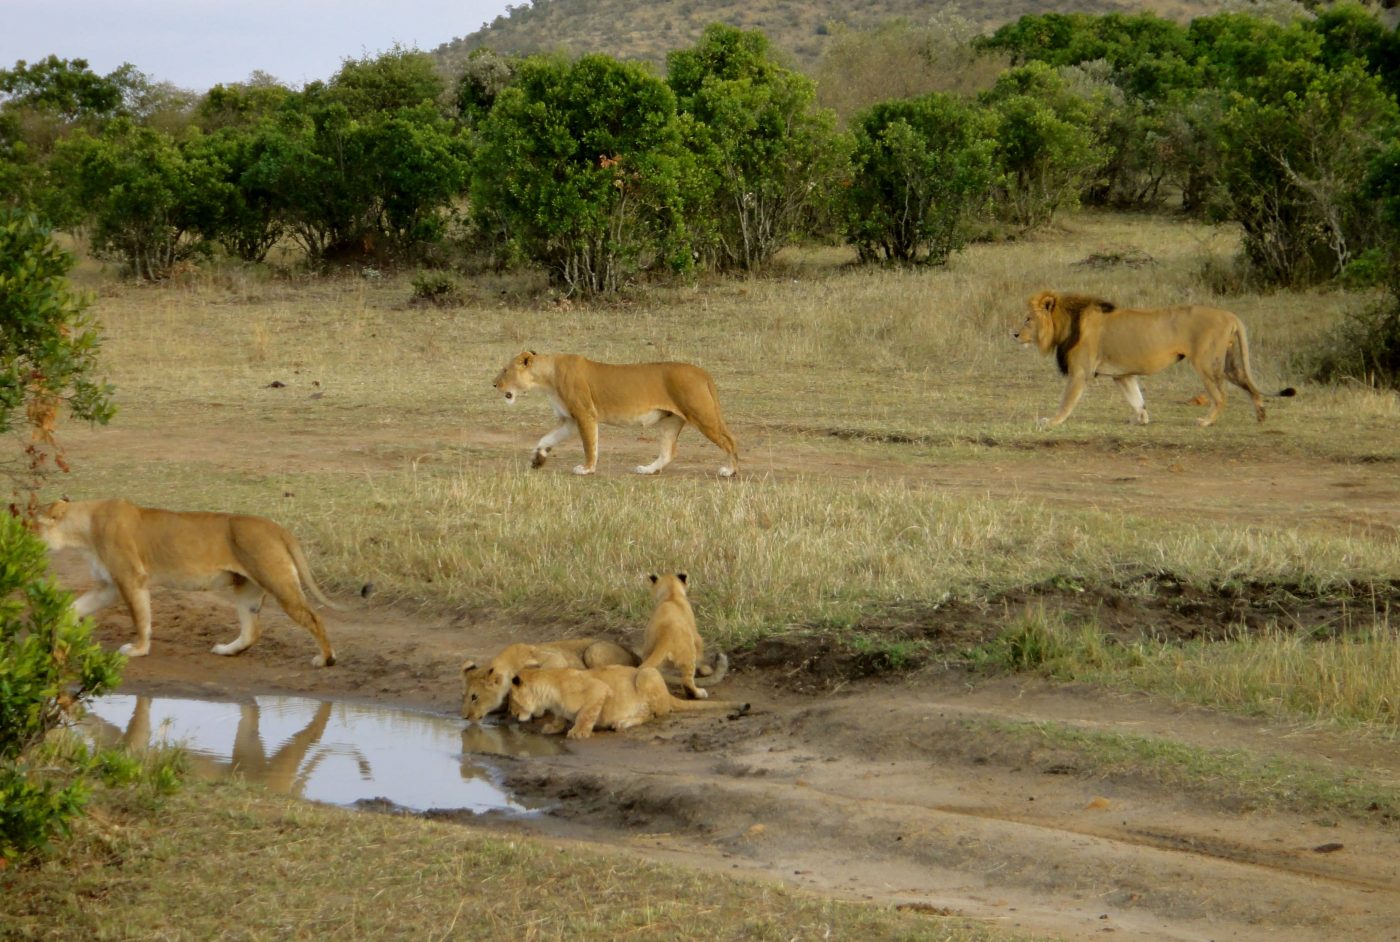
x=588, y=434
x=1073, y=390
x=566, y=429
x=587, y=717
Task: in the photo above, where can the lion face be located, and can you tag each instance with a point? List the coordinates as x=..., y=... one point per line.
x=484, y=689
x=1039, y=325
x=48, y=524
x=517, y=376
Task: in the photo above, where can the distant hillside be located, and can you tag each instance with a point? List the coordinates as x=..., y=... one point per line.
x=648, y=29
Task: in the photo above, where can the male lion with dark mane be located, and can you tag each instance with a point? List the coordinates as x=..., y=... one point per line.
x=1092, y=337
x=585, y=393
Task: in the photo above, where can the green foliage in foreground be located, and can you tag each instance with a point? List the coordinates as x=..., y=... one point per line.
x=48, y=665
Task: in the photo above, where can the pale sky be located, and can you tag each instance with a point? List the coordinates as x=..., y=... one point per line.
x=197, y=44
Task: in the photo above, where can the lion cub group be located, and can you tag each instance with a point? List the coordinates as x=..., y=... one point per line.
x=585, y=684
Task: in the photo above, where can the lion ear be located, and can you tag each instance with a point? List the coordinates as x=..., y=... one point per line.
x=653, y=578
x=1047, y=302
x=681, y=576
x=515, y=681
x=468, y=666
x=525, y=357
x=533, y=663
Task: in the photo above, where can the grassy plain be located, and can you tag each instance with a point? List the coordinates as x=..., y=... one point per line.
x=895, y=486
x=887, y=421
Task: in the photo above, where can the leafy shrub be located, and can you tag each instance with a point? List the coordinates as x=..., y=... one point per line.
x=921, y=167
x=48, y=664
x=436, y=288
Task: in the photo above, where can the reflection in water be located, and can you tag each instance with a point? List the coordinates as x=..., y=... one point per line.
x=339, y=753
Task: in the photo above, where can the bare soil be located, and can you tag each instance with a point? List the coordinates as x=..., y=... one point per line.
x=853, y=781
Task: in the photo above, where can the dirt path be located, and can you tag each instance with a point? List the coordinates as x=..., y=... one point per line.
x=876, y=790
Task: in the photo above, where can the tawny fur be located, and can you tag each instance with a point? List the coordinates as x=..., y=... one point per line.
x=600, y=698
x=1092, y=337
x=672, y=638
x=133, y=548
x=484, y=688
x=585, y=393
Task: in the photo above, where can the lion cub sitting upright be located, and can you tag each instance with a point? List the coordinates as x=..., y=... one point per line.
x=600, y=698
x=132, y=548
x=673, y=639
x=484, y=689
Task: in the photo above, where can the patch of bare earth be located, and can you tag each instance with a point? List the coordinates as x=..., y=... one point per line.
x=854, y=785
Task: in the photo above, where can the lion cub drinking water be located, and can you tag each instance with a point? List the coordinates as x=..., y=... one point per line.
x=132, y=548
x=484, y=689
x=601, y=698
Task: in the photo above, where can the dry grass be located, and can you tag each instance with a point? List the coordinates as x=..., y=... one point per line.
x=287, y=870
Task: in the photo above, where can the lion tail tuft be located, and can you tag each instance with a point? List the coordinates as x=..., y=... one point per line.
x=1286, y=393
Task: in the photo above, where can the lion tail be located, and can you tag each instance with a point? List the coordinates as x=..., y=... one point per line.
x=304, y=571
x=1237, y=367
x=736, y=707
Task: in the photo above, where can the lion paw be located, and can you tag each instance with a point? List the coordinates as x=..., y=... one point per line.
x=537, y=459
x=580, y=469
x=131, y=650
x=727, y=472
x=227, y=650
x=646, y=469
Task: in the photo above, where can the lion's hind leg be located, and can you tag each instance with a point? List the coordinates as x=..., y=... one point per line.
x=1128, y=386
x=670, y=428
x=248, y=598
x=711, y=425
x=283, y=584
x=1213, y=376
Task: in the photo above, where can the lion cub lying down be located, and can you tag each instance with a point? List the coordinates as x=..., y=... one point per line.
x=600, y=698
x=132, y=548
x=484, y=689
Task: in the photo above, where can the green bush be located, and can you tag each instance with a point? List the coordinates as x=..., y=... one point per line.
x=48, y=664
x=579, y=169
x=921, y=167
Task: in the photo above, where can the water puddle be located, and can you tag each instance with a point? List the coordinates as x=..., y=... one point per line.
x=338, y=753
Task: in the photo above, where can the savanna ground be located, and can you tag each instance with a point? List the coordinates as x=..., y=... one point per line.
x=1199, y=743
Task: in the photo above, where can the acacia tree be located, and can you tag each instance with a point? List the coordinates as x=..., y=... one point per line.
x=578, y=168
x=767, y=156
x=48, y=660
x=920, y=167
